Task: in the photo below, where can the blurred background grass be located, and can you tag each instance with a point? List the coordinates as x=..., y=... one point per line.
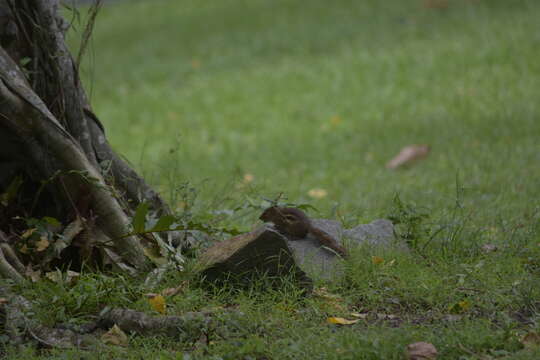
x=319, y=94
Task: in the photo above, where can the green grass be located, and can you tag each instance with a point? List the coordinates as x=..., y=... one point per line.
x=205, y=92
x=272, y=75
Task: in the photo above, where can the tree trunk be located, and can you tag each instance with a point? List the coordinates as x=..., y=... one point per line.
x=55, y=161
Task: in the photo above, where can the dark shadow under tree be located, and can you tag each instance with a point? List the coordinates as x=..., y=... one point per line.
x=55, y=161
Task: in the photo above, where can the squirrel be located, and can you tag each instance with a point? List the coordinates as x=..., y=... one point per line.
x=294, y=222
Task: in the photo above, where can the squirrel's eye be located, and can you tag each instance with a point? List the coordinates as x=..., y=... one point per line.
x=290, y=217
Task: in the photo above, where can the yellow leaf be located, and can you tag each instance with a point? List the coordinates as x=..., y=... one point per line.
x=335, y=120
x=377, y=260
x=115, y=336
x=158, y=303
x=341, y=321
x=317, y=193
x=42, y=244
x=359, y=315
x=464, y=305
x=28, y=233
x=460, y=307
x=23, y=249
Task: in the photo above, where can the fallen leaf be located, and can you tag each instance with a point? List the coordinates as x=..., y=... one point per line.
x=341, y=321
x=332, y=300
x=248, y=178
x=360, y=315
x=323, y=293
x=460, y=307
x=175, y=290
x=335, y=120
x=28, y=233
x=34, y=275
x=408, y=155
x=531, y=340
x=421, y=351
x=115, y=336
x=54, y=276
x=377, y=260
x=42, y=244
x=71, y=276
x=158, y=303
x=464, y=305
x=23, y=249
x=317, y=193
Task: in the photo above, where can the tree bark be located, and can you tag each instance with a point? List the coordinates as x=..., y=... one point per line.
x=54, y=141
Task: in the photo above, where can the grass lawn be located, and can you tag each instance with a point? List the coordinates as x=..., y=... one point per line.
x=319, y=94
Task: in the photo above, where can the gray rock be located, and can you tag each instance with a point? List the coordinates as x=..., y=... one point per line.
x=378, y=232
x=320, y=262
x=265, y=250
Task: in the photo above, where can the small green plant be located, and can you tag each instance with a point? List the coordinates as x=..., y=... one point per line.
x=410, y=222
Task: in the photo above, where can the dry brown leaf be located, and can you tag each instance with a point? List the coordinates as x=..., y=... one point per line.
x=115, y=336
x=377, y=260
x=35, y=276
x=531, y=340
x=248, y=178
x=421, y=351
x=341, y=321
x=175, y=290
x=408, y=155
